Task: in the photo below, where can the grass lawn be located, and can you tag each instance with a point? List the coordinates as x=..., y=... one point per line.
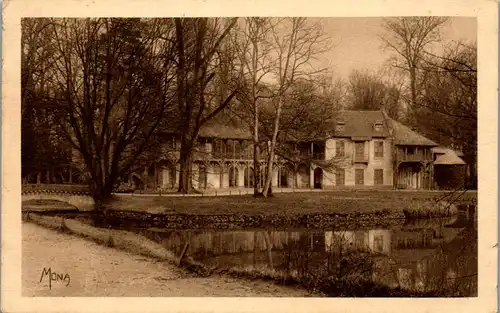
x=285, y=203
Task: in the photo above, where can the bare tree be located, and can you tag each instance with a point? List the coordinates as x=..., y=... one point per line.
x=42, y=150
x=254, y=49
x=448, y=110
x=197, y=42
x=408, y=38
x=112, y=88
x=297, y=43
x=367, y=91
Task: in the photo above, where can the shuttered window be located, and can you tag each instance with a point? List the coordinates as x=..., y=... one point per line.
x=379, y=177
x=340, y=148
x=360, y=176
x=379, y=149
x=340, y=177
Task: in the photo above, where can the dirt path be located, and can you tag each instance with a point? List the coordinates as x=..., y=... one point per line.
x=96, y=270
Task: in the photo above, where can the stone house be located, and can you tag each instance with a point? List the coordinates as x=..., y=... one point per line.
x=362, y=150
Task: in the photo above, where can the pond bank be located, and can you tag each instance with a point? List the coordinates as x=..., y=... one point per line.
x=139, y=242
x=303, y=210
x=130, y=219
x=101, y=271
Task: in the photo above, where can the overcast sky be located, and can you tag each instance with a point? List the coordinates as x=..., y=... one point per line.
x=357, y=44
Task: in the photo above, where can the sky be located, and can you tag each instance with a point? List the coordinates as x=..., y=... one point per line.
x=356, y=43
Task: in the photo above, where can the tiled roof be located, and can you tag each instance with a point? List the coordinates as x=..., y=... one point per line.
x=404, y=135
x=216, y=130
x=449, y=158
x=443, y=150
x=360, y=124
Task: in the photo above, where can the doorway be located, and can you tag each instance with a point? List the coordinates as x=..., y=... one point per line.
x=318, y=178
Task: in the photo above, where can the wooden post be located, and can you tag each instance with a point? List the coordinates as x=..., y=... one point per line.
x=234, y=149
x=221, y=176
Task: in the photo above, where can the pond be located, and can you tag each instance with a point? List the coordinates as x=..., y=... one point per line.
x=433, y=257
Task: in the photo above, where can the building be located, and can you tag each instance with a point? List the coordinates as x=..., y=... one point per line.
x=449, y=168
x=365, y=149
x=412, y=157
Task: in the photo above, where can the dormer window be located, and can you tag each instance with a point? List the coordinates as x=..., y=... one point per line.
x=378, y=126
x=340, y=126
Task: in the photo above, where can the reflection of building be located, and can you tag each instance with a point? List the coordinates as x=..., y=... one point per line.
x=225, y=242
x=361, y=149
x=378, y=241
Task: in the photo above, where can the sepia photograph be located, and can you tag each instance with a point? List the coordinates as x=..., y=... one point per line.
x=249, y=156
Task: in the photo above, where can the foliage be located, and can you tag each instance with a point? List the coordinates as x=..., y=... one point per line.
x=369, y=91
x=108, y=90
x=202, y=53
x=408, y=38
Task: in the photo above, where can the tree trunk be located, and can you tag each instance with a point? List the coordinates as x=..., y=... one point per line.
x=100, y=193
x=413, y=87
x=256, y=152
x=269, y=247
x=273, y=147
x=256, y=168
x=270, y=189
x=186, y=169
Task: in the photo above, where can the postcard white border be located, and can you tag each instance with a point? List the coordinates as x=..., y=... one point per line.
x=486, y=13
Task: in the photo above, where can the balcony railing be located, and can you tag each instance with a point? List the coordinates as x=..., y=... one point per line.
x=413, y=157
x=318, y=156
x=243, y=155
x=361, y=158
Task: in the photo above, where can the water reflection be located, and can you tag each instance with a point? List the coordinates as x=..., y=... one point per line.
x=431, y=255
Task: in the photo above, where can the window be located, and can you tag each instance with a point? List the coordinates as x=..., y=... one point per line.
x=360, y=150
x=171, y=144
x=378, y=126
x=237, y=150
x=379, y=149
x=360, y=176
x=172, y=176
x=202, y=177
x=340, y=177
x=340, y=127
x=379, y=177
x=233, y=177
x=340, y=148
x=378, y=243
x=201, y=145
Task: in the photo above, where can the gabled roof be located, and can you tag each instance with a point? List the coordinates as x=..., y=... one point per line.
x=404, y=135
x=360, y=124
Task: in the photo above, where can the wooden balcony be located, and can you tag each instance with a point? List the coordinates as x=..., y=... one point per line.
x=243, y=155
x=361, y=158
x=318, y=156
x=419, y=156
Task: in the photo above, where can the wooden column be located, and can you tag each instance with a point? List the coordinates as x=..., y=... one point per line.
x=221, y=176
